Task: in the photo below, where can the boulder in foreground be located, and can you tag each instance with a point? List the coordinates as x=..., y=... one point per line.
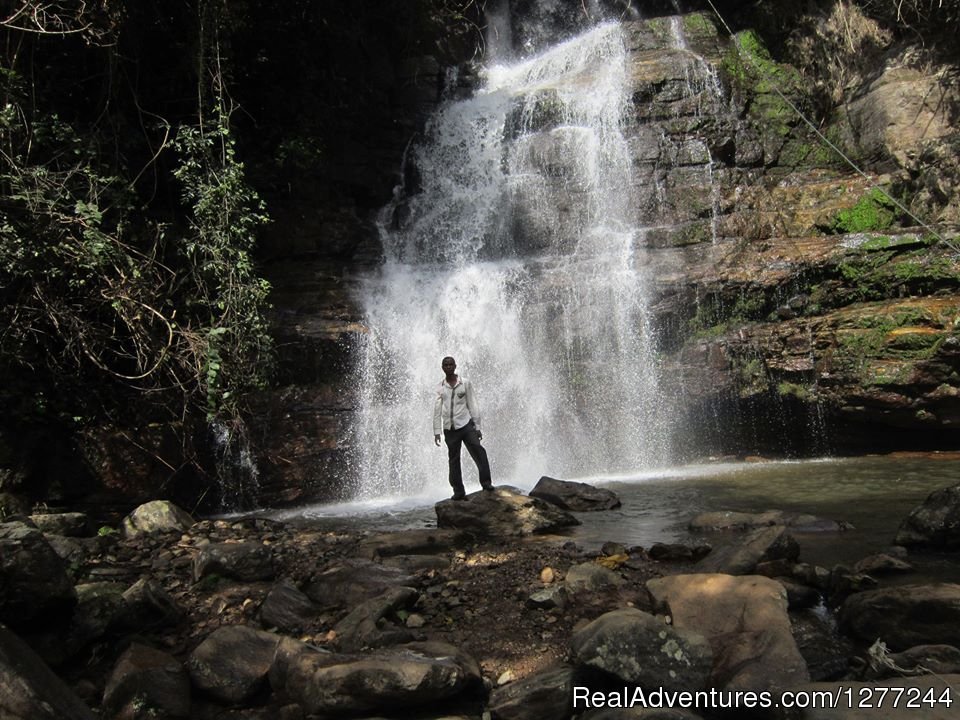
x=502, y=513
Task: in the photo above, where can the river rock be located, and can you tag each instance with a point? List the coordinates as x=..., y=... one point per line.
x=286, y=608
x=34, y=584
x=231, y=665
x=148, y=606
x=502, y=513
x=904, y=616
x=355, y=580
x=555, y=596
x=245, y=561
x=365, y=626
x=733, y=520
x=882, y=564
x=545, y=695
x=935, y=523
x=423, y=541
x=746, y=621
x=70, y=524
x=592, y=577
x=156, y=516
x=99, y=605
x=640, y=649
x=147, y=683
x=844, y=582
x=742, y=556
x=29, y=690
x=574, y=496
x=386, y=681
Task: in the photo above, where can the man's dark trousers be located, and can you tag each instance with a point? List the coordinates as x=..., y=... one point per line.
x=467, y=435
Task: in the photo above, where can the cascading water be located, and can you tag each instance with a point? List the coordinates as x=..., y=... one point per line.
x=517, y=254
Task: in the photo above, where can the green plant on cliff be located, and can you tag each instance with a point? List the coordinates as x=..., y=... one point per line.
x=874, y=212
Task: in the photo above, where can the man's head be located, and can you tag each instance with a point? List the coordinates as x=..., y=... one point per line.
x=449, y=365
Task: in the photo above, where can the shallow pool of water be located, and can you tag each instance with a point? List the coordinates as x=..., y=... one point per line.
x=872, y=493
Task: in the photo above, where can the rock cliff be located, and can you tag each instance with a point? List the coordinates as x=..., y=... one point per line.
x=796, y=309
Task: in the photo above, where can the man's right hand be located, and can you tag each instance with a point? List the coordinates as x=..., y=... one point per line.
x=436, y=439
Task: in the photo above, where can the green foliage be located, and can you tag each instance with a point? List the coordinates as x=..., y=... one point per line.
x=232, y=332
x=800, y=392
x=114, y=308
x=874, y=212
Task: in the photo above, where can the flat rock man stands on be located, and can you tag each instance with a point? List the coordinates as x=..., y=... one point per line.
x=457, y=414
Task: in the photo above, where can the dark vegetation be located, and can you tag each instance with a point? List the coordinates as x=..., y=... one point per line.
x=144, y=149
x=153, y=154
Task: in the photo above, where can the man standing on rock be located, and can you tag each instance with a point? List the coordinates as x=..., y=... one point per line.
x=457, y=413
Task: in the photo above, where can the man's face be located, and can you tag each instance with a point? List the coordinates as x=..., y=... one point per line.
x=448, y=365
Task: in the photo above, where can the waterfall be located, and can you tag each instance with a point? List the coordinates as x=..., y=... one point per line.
x=515, y=248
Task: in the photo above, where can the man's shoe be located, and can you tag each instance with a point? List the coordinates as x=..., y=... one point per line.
x=488, y=488
x=459, y=496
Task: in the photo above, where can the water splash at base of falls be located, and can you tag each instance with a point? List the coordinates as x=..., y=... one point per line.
x=518, y=253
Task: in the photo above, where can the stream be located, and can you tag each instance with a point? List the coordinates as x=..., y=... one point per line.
x=872, y=493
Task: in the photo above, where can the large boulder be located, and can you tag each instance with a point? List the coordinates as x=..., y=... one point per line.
x=232, y=664
x=640, y=649
x=904, y=616
x=935, y=523
x=502, y=513
x=147, y=683
x=245, y=561
x=29, y=690
x=387, y=681
x=34, y=584
x=746, y=621
x=574, y=496
x=156, y=516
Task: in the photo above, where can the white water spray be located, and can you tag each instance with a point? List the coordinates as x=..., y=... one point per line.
x=517, y=255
